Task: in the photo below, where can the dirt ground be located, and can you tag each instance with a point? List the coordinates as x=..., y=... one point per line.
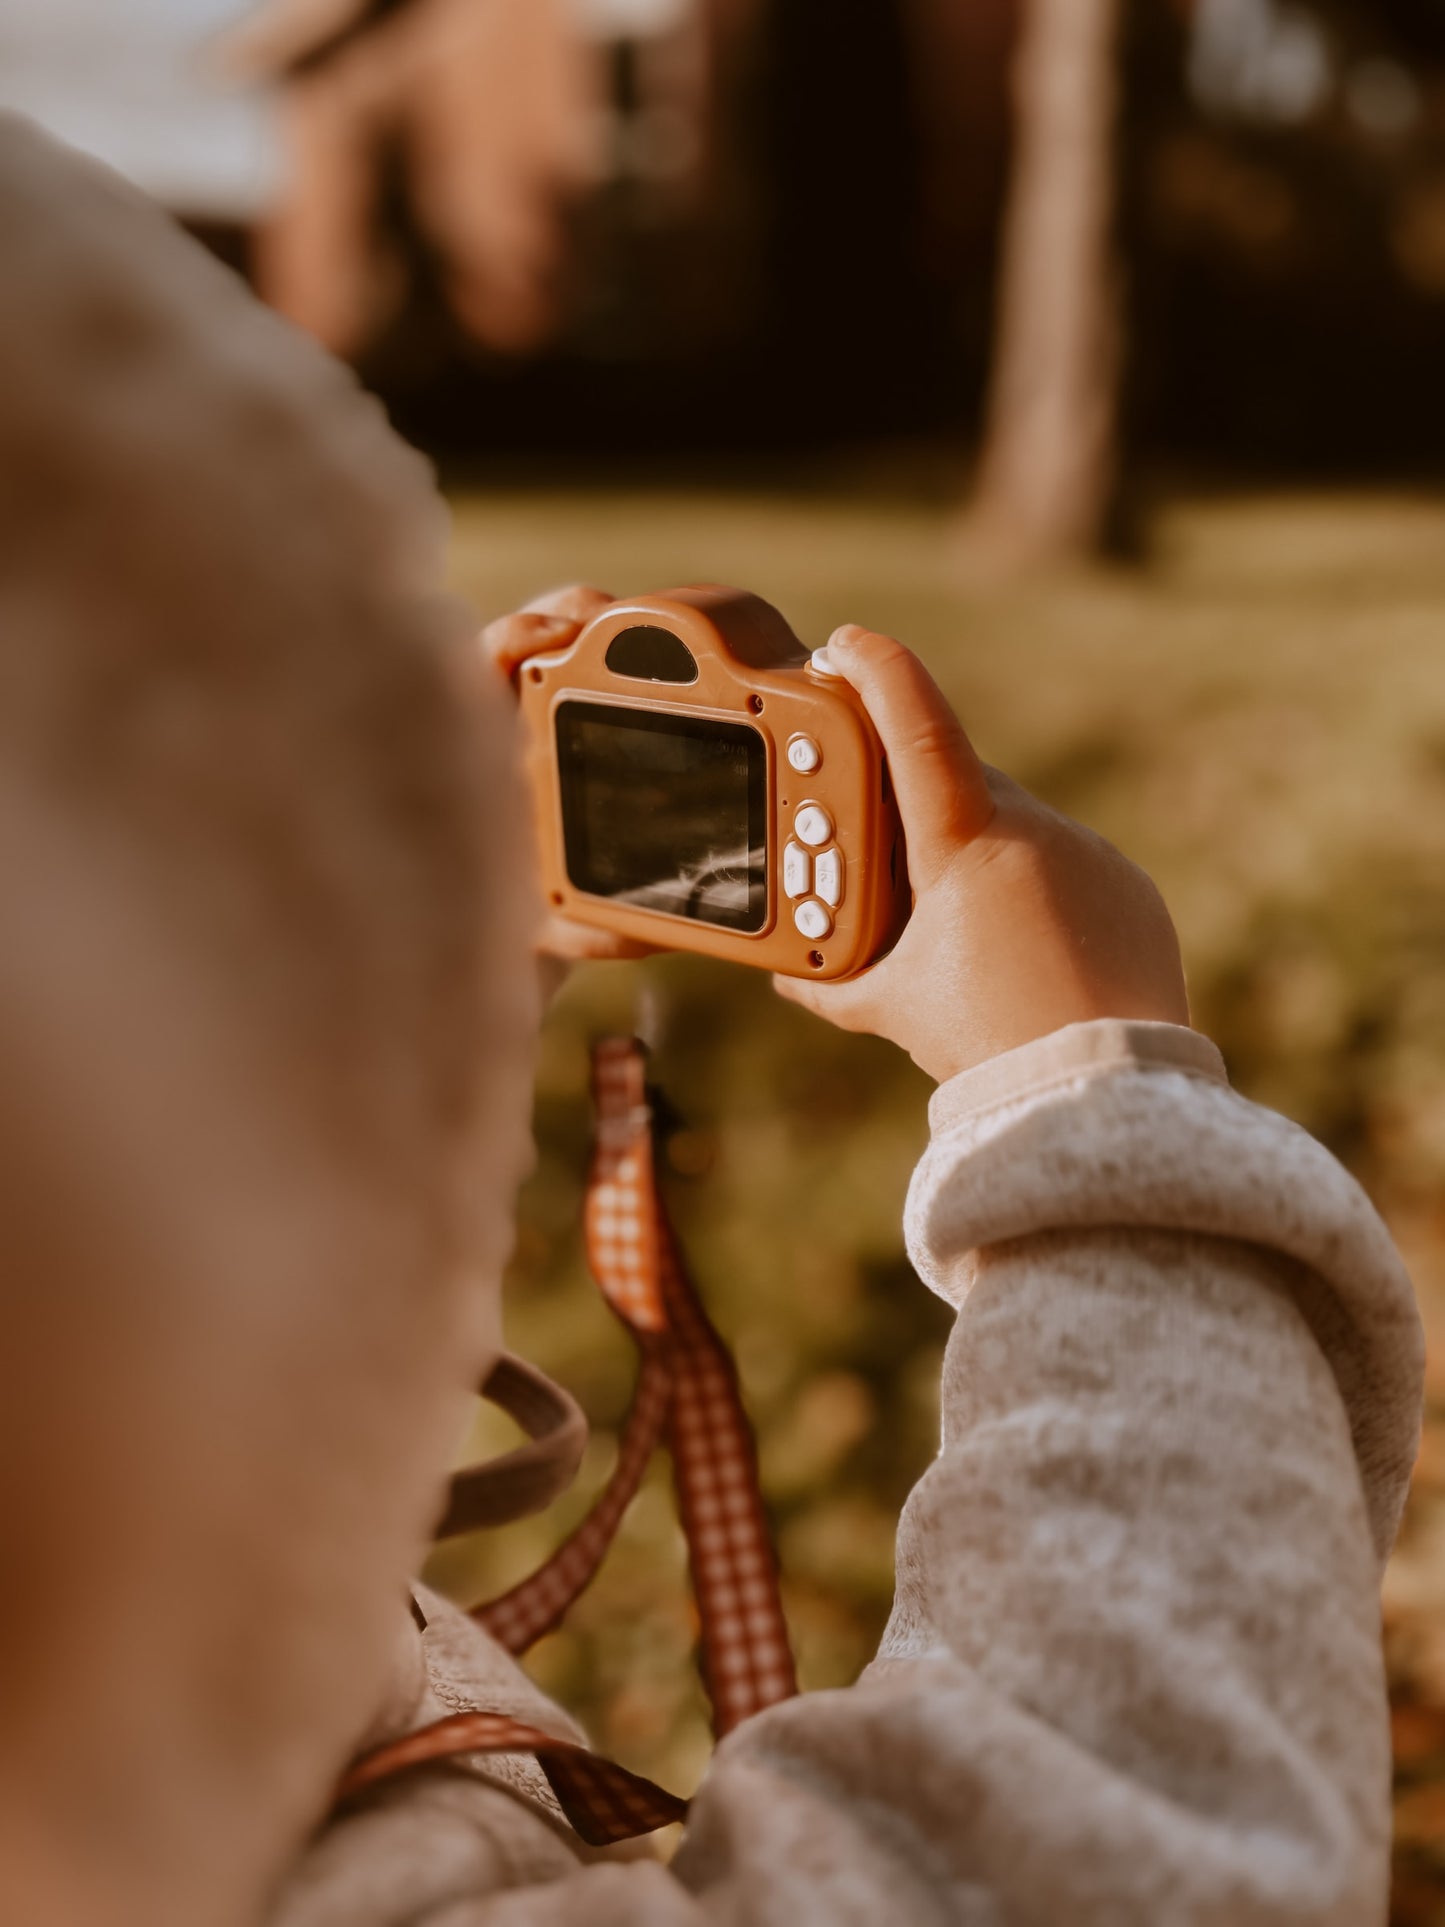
x=1257, y=714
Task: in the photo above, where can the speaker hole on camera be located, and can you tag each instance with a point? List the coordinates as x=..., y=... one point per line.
x=556, y=896
x=815, y=958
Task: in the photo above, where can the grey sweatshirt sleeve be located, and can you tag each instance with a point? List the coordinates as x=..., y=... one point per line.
x=1133, y=1673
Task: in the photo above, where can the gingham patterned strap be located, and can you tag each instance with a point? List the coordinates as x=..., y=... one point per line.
x=518, y=1619
x=687, y=1386
x=746, y=1656
x=622, y=1218
x=603, y=1801
x=687, y=1382
x=622, y=1222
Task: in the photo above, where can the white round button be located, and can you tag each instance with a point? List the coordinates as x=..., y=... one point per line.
x=804, y=755
x=812, y=920
x=821, y=663
x=813, y=826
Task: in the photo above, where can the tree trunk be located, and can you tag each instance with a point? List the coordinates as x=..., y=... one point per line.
x=1046, y=476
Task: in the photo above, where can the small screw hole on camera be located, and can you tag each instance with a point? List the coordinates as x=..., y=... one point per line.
x=815, y=958
x=535, y=674
x=556, y=896
x=755, y=704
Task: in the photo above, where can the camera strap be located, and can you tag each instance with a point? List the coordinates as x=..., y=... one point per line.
x=528, y=1479
x=686, y=1396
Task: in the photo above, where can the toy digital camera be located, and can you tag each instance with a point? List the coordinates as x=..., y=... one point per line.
x=702, y=783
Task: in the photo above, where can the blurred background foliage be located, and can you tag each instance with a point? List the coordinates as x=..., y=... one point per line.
x=1092, y=346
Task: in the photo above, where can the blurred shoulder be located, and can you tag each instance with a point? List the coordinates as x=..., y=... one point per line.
x=440, y=1835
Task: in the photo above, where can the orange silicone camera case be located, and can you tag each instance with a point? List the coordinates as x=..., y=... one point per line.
x=751, y=668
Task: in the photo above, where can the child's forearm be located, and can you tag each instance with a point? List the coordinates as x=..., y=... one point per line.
x=1134, y=1669
x=1134, y=1126
x=1181, y=1408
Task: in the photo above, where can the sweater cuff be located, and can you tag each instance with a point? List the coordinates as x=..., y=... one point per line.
x=1063, y=1057
x=1133, y=1127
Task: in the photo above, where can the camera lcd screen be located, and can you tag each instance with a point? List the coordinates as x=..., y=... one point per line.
x=665, y=812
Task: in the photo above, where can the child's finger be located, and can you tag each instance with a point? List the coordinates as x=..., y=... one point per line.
x=835, y=1002
x=510, y=640
x=941, y=786
x=547, y=623
x=580, y=943
x=578, y=601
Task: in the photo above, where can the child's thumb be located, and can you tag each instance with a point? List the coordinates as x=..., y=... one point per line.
x=941, y=786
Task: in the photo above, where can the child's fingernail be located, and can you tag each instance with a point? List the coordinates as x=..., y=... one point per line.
x=845, y=637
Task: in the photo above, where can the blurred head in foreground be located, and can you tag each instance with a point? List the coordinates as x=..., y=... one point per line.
x=265, y=1022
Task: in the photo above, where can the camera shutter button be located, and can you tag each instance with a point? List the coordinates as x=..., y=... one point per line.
x=814, y=826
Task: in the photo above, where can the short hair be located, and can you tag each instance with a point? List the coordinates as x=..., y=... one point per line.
x=246, y=750
x=221, y=630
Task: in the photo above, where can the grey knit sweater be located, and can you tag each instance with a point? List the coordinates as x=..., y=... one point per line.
x=1133, y=1671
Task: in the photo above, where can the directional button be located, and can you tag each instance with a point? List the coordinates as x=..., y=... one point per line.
x=797, y=871
x=812, y=920
x=813, y=825
x=828, y=876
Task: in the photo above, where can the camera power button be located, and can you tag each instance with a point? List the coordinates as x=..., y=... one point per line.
x=804, y=755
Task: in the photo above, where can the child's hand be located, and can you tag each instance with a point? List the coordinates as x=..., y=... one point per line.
x=550, y=623
x=1022, y=921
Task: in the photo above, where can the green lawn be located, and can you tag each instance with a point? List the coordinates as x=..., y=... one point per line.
x=1258, y=716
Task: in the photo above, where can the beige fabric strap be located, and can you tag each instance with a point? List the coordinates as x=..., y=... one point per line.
x=532, y=1476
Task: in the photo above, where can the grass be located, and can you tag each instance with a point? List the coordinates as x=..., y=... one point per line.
x=1258, y=716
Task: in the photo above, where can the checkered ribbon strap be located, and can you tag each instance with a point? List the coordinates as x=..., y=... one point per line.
x=746, y=1657
x=603, y=1801
x=518, y=1619
x=687, y=1392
